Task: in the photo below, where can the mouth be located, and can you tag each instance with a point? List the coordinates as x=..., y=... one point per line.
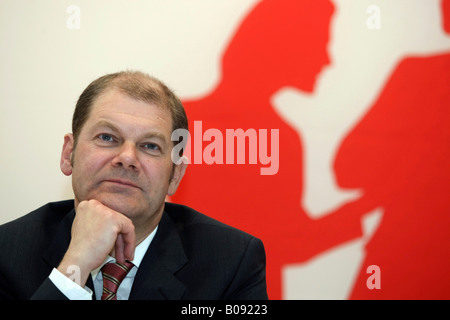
x=121, y=182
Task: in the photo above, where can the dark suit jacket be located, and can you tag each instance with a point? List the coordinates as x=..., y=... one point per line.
x=191, y=257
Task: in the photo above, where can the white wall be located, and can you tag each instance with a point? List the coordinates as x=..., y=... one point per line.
x=46, y=62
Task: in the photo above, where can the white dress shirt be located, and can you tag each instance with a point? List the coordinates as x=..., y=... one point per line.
x=75, y=292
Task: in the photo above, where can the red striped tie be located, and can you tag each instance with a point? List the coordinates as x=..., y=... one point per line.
x=113, y=274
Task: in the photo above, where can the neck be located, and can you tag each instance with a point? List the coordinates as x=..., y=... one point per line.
x=143, y=230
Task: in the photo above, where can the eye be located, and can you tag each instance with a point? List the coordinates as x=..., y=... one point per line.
x=106, y=137
x=152, y=147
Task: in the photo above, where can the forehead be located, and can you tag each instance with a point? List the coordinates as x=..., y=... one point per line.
x=124, y=111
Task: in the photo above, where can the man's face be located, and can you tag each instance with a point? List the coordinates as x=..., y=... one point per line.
x=123, y=157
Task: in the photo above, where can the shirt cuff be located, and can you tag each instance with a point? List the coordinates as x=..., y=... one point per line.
x=69, y=288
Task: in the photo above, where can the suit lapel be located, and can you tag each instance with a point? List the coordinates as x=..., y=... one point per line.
x=156, y=278
x=60, y=243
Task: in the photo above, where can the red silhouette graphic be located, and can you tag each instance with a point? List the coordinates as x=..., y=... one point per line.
x=399, y=153
x=446, y=15
x=395, y=155
x=280, y=43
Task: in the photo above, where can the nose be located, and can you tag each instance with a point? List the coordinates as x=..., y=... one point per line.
x=126, y=157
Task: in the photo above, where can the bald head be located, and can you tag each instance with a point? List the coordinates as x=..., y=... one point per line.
x=137, y=85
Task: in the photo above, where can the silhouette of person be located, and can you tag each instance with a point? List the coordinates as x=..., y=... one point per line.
x=399, y=154
x=280, y=43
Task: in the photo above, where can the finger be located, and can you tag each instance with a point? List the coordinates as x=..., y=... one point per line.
x=118, y=249
x=128, y=239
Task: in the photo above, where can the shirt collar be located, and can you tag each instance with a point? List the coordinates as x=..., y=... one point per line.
x=139, y=254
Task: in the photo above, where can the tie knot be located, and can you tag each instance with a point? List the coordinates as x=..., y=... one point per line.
x=113, y=274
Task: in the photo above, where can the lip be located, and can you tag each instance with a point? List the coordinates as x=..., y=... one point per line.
x=121, y=182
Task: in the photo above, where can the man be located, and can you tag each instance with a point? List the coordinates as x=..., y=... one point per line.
x=119, y=156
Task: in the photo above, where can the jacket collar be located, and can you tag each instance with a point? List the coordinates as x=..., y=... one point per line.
x=156, y=278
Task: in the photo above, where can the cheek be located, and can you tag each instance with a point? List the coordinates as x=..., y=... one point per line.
x=87, y=164
x=158, y=174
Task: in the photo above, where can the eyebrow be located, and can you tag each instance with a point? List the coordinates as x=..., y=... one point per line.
x=153, y=134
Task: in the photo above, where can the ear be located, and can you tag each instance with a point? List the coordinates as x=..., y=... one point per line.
x=178, y=174
x=66, y=154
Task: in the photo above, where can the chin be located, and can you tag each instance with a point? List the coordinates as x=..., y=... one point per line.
x=117, y=203
x=309, y=88
x=308, y=80
x=304, y=82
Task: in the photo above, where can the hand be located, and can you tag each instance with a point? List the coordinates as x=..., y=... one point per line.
x=96, y=231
